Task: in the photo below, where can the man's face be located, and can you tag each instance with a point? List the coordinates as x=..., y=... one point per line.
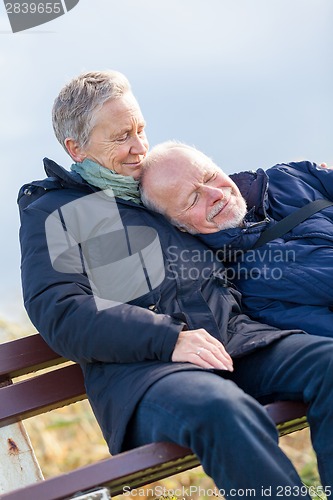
x=118, y=141
x=195, y=193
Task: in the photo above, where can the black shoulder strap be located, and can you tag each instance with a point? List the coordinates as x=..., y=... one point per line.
x=283, y=226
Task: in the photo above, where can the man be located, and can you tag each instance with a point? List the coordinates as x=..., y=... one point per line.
x=166, y=351
x=286, y=282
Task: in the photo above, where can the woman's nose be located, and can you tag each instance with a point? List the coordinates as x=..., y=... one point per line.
x=139, y=145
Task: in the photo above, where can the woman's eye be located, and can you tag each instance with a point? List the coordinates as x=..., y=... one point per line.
x=122, y=138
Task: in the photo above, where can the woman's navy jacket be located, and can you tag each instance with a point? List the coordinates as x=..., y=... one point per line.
x=123, y=346
x=287, y=282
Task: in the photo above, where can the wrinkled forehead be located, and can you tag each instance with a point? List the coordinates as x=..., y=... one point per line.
x=184, y=171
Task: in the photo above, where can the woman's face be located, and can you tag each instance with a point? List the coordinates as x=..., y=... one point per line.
x=118, y=140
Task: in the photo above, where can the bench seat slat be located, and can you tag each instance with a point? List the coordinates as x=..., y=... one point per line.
x=289, y=416
x=158, y=460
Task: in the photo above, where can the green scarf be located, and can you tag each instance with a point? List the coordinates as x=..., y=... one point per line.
x=123, y=186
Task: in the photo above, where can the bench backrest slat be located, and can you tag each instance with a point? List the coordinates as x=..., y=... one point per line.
x=26, y=355
x=40, y=394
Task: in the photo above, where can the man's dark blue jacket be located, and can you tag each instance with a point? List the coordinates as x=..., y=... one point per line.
x=126, y=348
x=287, y=282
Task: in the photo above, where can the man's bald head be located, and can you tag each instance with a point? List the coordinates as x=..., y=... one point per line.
x=186, y=186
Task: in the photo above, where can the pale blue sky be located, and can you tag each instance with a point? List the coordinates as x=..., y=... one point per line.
x=247, y=81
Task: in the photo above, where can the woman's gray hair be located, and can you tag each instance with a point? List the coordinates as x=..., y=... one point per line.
x=74, y=110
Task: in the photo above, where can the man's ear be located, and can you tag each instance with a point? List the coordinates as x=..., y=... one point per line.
x=74, y=150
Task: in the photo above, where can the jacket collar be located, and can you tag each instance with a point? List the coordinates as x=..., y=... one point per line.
x=65, y=177
x=253, y=186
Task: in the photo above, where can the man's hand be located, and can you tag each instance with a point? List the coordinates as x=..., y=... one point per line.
x=200, y=348
x=324, y=165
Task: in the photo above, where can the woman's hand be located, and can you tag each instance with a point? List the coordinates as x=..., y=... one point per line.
x=200, y=348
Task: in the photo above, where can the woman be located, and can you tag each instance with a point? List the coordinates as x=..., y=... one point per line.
x=145, y=360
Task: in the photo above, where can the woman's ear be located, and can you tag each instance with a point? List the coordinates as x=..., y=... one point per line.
x=74, y=150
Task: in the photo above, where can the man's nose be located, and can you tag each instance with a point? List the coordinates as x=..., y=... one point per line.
x=214, y=194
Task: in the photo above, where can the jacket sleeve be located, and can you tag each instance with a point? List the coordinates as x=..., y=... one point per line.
x=63, y=309
x=319, y=178
x=315, y=320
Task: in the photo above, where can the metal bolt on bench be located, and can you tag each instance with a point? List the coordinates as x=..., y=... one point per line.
x=100, y=494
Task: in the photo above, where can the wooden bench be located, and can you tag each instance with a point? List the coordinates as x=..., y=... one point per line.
x=64, y=385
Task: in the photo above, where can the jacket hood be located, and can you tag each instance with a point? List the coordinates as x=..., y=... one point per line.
x=52, y=169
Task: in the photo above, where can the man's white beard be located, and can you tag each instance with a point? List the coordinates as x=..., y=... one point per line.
x=238, y=216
